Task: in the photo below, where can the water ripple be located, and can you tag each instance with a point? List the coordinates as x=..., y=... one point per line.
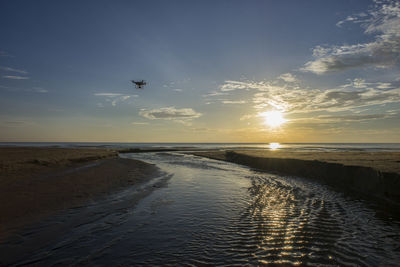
x=218, y=213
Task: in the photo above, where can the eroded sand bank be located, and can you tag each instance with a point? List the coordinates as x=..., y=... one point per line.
x=375, y=174
x=36, y=182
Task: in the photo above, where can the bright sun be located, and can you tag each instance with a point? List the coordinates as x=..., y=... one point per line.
x=273, y=118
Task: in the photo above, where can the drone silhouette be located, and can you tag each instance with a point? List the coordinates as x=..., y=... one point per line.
x=139, y=84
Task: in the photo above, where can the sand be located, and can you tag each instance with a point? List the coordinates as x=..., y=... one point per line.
x=381, y=161
x=374, y=175
x=38, y=182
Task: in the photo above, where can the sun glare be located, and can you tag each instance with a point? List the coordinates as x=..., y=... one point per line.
x=274, y=146
x=273, y=118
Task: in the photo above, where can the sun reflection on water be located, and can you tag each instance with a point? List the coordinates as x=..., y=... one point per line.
x=274, y=146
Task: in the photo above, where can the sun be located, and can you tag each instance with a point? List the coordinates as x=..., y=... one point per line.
x=273, y=118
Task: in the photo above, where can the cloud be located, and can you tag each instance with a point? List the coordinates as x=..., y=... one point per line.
x=355, y=19
x=171, y=113
x=120, y=99
x=234, y=102
x=15, y=77
x=38, y=90
x=236, y=85
x=352, y=118
x=13, y=70
x=383, y=21
x=113, y=98
x=352, y=96
x=178, y=90
x=139, y=123
x=108, y=94
x=288, y=77
x=329, y=119
x=215, y=93
x=247, y=116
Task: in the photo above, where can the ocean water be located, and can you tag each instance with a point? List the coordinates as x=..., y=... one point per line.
x=204, y=212
x=274, y=146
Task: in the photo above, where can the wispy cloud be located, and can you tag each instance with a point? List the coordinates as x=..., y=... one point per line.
x=139, y=123
x=288, y=77
x=113, y=98
x=234, y=102
x=108, y=94
x=343, y=98
x=177, y=86
x=12, y=77
x=182, y=115
x=13, y=70
x=383, y=21
x=215, y=93
x=236, y=85
x=39, y=90
x=329, y=119
x=356, y=95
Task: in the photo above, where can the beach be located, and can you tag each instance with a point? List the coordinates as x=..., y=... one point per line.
x=373, y=174
x=381, y=161
x=94, y=206
x=38, y=182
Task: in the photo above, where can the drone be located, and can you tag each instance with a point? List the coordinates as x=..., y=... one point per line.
x=139, y=84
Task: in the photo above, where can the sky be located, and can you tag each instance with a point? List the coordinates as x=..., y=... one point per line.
x=216, y=71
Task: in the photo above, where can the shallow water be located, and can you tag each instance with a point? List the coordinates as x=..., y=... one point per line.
x=204, y=211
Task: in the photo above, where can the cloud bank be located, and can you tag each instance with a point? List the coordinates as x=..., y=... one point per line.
x=353, y=95
x=383, y=21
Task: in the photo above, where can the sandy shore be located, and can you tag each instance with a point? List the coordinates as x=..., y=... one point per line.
x=381, y=161
x=36, y=182
x=374, y=174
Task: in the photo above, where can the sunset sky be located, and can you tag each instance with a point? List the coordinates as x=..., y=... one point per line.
x=217, y=71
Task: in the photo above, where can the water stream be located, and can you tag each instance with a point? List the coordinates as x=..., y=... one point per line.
x=204, y=211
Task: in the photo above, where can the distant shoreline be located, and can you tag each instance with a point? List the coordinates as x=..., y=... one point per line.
x=206, y=146
x=36, y=182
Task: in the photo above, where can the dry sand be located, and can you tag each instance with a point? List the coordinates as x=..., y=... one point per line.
x=36, y=182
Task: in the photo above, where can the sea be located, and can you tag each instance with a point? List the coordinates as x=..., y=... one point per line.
x=369, y=147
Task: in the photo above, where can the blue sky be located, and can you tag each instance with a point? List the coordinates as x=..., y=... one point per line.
x=214, y=70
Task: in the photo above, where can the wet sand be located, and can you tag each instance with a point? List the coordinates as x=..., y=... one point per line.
x=374, y=174
x=37, y=182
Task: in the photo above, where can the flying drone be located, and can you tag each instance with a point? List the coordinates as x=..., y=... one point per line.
x=139, y=84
